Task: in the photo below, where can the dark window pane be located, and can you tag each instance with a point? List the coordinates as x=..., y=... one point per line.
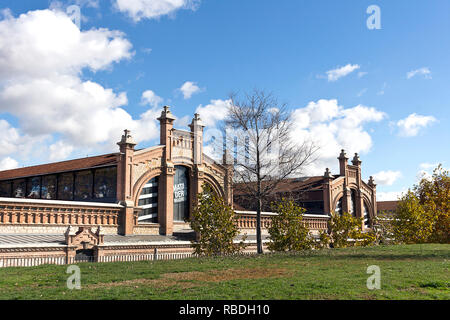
x=48, y=190
x=19, y=188
x=5, y=189
x=34, y=187
x=83, y=185
x=105, y=184
x=180, y=194
x=65, y=186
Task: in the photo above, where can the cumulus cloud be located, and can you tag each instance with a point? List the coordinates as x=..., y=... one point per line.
x=213, y=112
x=153, y=9
x=189, y=88
x=386, y=178
x=422, y=71
x=332, y=128
x=390, y=195
x=411, y=125
x=60, y=150
x=42, y=87
x=8, y=163
x=335, y=74
x=150, y=98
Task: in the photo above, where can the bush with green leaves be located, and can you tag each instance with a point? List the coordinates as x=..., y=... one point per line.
x=287, y=230
x=214, y=223
x=423, y=213
x=346, y=230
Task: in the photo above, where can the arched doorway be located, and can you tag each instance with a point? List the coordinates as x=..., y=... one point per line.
x=148, y=202
x=181, y=194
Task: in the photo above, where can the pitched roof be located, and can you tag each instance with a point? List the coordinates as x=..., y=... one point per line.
x=69, y=165
x=288, y=185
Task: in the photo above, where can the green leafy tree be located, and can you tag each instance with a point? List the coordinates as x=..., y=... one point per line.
x=423, y=213
x=214, y=223
x=434, y=197
x=346, y=231
x=411, y=222
x=287, y=230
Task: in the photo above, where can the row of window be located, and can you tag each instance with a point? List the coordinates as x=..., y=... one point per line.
x=86, y=185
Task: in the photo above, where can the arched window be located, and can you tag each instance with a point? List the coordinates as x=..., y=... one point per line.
x=181, y=194
x=338, y=209
x=148, y=201
x=366, y=216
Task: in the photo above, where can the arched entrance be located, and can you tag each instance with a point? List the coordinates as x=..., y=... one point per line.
x=181, y=194
x=148, y=202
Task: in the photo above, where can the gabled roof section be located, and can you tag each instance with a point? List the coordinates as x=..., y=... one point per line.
x=289, y=185
x=56, y=167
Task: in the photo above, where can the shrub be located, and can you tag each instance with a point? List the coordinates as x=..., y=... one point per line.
x=423, y=213
x=213, y=221
x=287, y=231
x=346, y=230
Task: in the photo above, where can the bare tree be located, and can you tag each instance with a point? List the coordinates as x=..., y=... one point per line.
x=259, y=135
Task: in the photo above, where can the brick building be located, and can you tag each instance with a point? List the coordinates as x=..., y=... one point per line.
x=133, y=191
x=132, y=204
x=321, y=195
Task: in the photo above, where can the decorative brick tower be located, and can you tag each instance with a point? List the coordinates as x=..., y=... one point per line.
x=358, y=201
x=343, y=163
x=198, y=170
x=165, y=187
x=124, y=186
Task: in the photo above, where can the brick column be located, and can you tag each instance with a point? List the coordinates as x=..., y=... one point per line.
x=124, y=183
x=166, y=179
x=165, y=200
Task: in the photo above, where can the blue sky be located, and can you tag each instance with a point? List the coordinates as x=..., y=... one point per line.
x=399, y=75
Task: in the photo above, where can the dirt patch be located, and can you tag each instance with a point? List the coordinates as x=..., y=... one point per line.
x=183, y=279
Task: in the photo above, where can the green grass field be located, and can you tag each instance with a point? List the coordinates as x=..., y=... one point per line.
x=407, y=272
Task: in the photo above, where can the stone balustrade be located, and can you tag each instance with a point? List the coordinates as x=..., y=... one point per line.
x=54, y=212
x=247, y=220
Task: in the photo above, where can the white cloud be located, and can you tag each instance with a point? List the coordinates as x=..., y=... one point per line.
x=386, y=178
x=189, y=88
x=8, y=163
x=150, y=98
x=214, y=112
x=153, y=9
x=332, y=128
x=390, y=196
x=411, y=125
x=335, y=74
x=422, y=71
x=362, y=74
x=60, y=150
x=426, y=170
x=42, y=87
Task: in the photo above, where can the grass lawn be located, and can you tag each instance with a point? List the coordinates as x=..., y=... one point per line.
x=407, y=272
